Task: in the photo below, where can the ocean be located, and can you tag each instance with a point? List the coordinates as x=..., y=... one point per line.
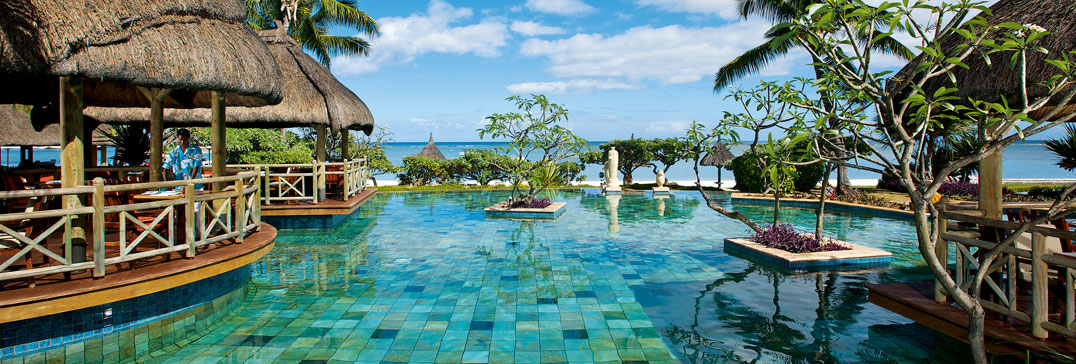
x=1029, y=159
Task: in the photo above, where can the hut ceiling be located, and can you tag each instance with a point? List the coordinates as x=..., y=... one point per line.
x=115, y=46
x=991, y=83
x=312, y=96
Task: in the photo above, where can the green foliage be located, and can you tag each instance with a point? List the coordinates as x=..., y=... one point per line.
x=753, y=178
x=749, y=176
x=1064, y=148
x=376, y=161
x=669, y=151
x=420, y=171
x=258, y=146
x=808, y=176
x=132, y=144
x=482, y=165
x=534, y=140
x=312, y=21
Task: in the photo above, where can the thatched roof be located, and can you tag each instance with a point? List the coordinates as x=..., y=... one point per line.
x=990, y=83
x=16, y=130
x=312, y=96
x=717, y=156
x=113, y=45
x=431, y=151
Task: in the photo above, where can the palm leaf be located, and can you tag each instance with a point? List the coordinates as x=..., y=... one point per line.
x=345, y=12
x=1065, y=148
x=751, y=61
x=777, y=11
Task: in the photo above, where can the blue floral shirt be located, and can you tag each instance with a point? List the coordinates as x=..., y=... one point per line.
x=186, y=164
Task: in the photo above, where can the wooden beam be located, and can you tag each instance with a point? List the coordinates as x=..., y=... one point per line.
x=218, y=134
x=72, y=168
x=990, y=185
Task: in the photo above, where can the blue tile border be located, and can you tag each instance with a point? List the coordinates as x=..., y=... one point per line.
x=45, y=333
x=832, y=206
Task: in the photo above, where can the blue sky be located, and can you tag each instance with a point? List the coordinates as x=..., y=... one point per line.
x=621, y=67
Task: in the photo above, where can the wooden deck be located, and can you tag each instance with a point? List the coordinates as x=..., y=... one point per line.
x=1003, y=336
x=331, y=206
x=54, y=294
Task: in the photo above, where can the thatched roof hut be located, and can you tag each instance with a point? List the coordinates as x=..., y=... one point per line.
x=992, y=82
x=717, y=156
x=186, y=45
x=312, y=96
x=431, y=150
x=17, y=131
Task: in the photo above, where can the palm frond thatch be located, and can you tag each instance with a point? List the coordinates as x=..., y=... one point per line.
x=312, y=96
x=431, y=150
x=717, y=156
x=17, y=130
x=998, y=79
x=187, y=45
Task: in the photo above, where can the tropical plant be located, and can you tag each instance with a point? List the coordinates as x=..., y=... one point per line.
x=1064, y=148
x=258, y=146
x=376, y=162
x=132, y=144
x=309, y=22
x=420, y=171
x=779, y=41
x=905, y=109
x=535, y=140
x=668, y=151
x=784, y=236
x=482, y=165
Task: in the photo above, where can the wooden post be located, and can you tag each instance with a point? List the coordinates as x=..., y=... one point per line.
x=344, y=141
x=90, y=151
x=347, y=183
x=156, y=133
x=314, y=181
x=26, y=153
x=218, y=134
x=240, y=210
x=98, y=227
x=256, y=209
x=1039, y=286
x=990, y=185
x=72, y=168
x=320, y=148
x=941, y=249
x=103, y=160
x=188, y=215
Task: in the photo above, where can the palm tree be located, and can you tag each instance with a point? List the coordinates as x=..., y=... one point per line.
x=778, y=43
x=308, y=22
x=1065, y=148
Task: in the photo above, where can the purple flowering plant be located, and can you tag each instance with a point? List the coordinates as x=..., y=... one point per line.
x=784, y=237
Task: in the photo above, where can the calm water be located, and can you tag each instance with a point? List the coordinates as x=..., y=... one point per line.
x=1024, y=160
x=428, y=278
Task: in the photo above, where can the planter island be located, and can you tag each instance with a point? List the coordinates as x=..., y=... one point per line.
x=550, y=212
x=856, y=256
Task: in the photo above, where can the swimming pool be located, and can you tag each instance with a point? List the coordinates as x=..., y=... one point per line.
x=427, y=277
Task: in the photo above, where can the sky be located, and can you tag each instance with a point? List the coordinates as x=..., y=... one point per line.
x=621, y=67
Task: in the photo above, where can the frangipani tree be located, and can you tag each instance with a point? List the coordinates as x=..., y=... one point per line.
x=536, y=142
x=903, y=112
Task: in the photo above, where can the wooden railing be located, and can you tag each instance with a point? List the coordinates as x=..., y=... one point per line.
x=302, y=182
x=1026, y=266
x=116, y=230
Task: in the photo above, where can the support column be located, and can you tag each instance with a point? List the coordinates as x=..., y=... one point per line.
x=321, y=130
x=344, y=141
x=218, y=134
x=156, y=129
x=89, y=150
x=103, y=160
x=72, y=168
x=26, y=153
x=990, y=185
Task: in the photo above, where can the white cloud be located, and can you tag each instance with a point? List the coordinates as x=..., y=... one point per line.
x=404, y=38
x=530, y=28
x=571, y=86
x=671, y=54
x=560, y=7
x=675, y=127
x=723, y=8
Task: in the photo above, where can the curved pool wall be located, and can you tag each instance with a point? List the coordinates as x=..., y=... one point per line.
x=127, y=329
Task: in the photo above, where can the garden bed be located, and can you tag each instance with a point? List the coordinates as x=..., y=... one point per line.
x=857, y=256
x=554, y=210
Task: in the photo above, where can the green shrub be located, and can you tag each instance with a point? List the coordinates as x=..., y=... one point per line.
x=749, y=176
x=421, y=171
x=808, y=176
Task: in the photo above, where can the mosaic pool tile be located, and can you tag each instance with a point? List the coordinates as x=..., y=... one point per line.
x=427, y=278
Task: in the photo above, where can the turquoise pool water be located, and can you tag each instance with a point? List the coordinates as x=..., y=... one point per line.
x=426, y=277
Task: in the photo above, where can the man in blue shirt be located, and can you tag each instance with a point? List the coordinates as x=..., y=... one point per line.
x=185, y=161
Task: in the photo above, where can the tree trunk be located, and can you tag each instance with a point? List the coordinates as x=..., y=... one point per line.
x=776, y=206
x=374, y=180
x=820, y=212
x=844, y=184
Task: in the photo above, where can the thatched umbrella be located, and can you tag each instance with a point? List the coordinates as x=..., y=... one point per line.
x=431, y=151
x=717, y=156
x=993, y=81
x=18, y=131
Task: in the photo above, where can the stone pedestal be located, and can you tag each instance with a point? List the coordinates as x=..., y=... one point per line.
x=662, y=190
x=609, y=189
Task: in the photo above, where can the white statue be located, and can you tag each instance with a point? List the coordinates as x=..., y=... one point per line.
x=611, y=181
x=661, y=178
